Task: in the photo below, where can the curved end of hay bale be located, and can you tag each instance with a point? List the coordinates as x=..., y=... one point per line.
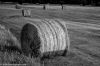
x=7, y=38
x=44, y=38
x=30, y=40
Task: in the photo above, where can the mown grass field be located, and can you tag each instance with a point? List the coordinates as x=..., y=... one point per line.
x=83, y=26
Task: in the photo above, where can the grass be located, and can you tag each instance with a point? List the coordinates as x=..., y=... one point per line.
x=16, y=58
x=85, y=42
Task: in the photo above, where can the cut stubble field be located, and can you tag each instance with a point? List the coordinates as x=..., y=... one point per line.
x=83, y=26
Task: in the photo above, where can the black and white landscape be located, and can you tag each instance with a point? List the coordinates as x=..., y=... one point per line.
x=83, y=26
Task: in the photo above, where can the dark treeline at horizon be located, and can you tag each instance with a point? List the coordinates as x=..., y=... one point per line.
x=83, y=2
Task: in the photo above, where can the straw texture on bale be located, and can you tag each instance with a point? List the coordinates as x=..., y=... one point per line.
x=44, y=38
x=7, y=39
x=26, y=12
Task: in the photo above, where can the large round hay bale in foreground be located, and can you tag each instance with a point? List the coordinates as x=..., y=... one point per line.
x=44, y=38
x=7, y=39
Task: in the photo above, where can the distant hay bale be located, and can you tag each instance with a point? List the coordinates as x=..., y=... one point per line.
x=26, y=12
x=7, y=39
x=62, y=7
x=44, y=7
x=18, y=6
x=44, y=38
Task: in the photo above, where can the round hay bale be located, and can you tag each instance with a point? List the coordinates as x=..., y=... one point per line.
x=26, y=12
x=7, y=39
x=44, y=38
x=44, y=7
x=18, y=6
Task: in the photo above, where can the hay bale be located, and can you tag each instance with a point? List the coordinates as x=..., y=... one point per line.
x=44, y=38
x=62, y=7
x=26, y=12
x=18, y=6
x=7, y=39
x=44, y=7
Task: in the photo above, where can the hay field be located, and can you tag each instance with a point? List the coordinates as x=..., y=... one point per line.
x=83, y=26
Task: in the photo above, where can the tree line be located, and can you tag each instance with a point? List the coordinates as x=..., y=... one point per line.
x=82, y=2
